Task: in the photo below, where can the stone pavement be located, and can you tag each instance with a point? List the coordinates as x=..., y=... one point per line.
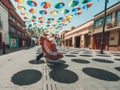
x=80, y=69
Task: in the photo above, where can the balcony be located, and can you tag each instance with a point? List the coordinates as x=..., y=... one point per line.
x=1, y=25
x=114, y=24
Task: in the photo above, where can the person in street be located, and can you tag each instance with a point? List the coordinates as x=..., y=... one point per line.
x=53, y=39
x=49, y=50
x=40, y=42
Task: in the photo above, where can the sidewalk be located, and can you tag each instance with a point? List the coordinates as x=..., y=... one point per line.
x=10, y=50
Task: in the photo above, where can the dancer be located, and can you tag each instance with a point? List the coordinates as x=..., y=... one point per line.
x=50, y=50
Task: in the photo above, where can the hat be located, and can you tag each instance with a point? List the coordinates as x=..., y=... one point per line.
x=45, y=32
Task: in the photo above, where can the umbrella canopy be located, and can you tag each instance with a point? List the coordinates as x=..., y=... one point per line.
x=21, y=8
x=54, y=12
x=33, y=11
x=78, y=13
x=45, y=5
x=73, y=3
x=19, y=1
x=32, y=3
x=85, y=1
x=59, y=5
x=41, y=18
x=65, y=11
x=76, y=9
x=88, y=5
x=43, y=12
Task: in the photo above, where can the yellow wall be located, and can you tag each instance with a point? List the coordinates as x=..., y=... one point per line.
x=113, y=38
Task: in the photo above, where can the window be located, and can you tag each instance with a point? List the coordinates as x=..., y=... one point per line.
x=109, y=19
x=19, y=33
x=12, y=29
x=19, y=24
x=98, y=23
x=12, y=19
x=118, y=18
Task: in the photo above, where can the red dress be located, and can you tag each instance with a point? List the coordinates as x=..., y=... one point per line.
x=50, y=50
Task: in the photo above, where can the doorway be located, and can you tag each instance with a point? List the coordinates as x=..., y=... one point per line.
x=77, y=41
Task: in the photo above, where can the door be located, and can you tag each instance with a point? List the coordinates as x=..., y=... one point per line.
x=77, y=40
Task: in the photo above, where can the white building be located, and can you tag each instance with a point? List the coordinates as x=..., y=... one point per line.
x=3, y=25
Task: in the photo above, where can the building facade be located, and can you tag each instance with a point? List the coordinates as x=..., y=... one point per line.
x=112, y=29
x=79, y=37
x=3, y=25
x=16, y=27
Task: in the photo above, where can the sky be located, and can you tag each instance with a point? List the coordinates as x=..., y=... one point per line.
x=77, y=20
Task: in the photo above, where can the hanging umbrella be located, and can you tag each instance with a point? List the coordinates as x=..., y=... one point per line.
x=50, y=19
x=33, y=17
x=41, y=18
x=69, y=16
x=65, y=11
x=43, y=12
x=59, y=5
x=78, y=13
x=73, y=3
x=26, y=18
x=85, y=1
x=45, y=5
x=33, y=11
x=21, y=8
x=88, y=5
x=60, y=18
x=32, y=3
x=76, y=9
x=54, y=12
x=19, y=1
x=23, y=13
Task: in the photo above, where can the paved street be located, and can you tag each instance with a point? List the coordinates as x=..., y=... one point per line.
x=80, y=69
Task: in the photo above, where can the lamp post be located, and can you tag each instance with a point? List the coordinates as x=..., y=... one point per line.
x=103, y=31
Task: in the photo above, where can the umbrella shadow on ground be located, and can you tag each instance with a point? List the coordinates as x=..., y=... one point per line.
x=102, y=60
x=101, y=74
x=26, y=77
x=80, y=61
x=60, y=74
x=35, y=62
x=117, y=68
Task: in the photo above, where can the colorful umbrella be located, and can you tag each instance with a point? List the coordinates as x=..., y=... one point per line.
x=32, y=3
x=43, y=12
x=45, y=5
x=60, y=18
x=23, y=13
x=69, y=16
x=19, y=1
x=33, y=11
x=78, y=13
x=26, y=18
x=21, y=7
x=41, y=18
x=54, y=12
x=73, y=3
x=88, y=5
x=85, y=1
x=76, y=9
x=59, y=5
x=33, y=17
x=65, y=11
x=50, y=19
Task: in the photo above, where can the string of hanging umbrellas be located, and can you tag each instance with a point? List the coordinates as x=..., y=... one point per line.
x=51, y=22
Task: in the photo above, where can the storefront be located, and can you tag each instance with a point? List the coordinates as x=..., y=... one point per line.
x=13, y=41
